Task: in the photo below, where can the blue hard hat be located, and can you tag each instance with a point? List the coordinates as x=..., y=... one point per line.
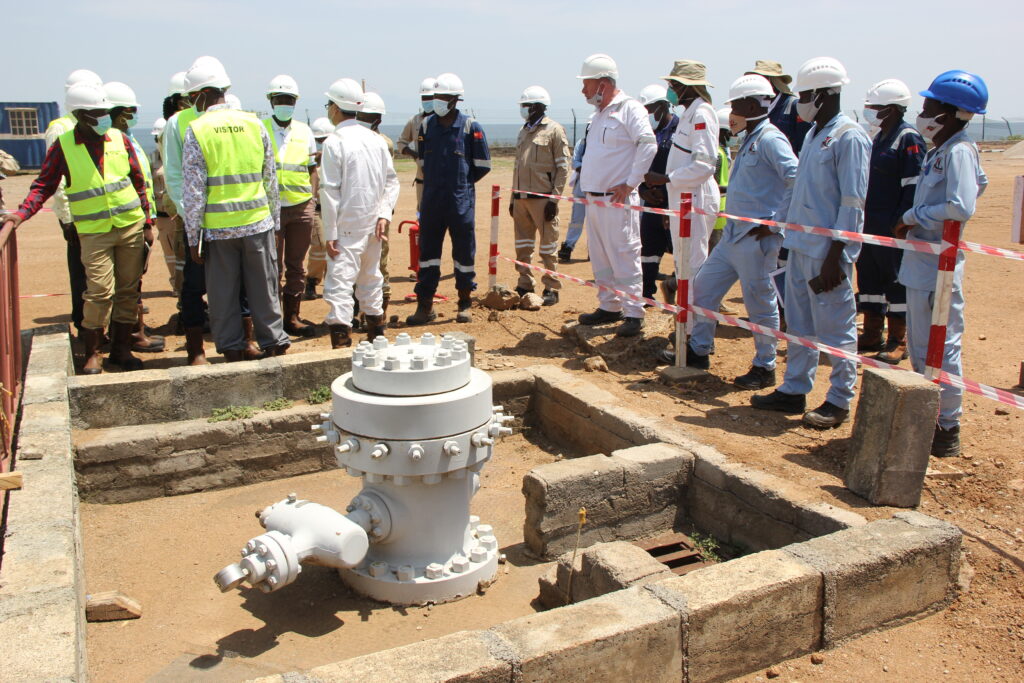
x=962, y=89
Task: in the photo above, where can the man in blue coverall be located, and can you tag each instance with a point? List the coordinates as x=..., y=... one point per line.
x=455, y=156
x=948, y=188
x=655, y=239
x=762, y=174
x=896, y=153
x=831, y=184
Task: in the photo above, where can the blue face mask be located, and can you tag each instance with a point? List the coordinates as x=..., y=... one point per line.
x=428, y=106
x=365, y=124
x=102, y=124
x=284, y=112
x=672, y=97
x=131, y=120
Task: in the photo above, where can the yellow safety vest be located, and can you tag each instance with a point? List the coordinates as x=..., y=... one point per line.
x=292, y=163
x=99, y=204
x=185, y=117
x=63, y=124
x=232, y=145
x=147, y=173
x=723, y=182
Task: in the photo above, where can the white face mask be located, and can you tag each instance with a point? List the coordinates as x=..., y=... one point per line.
x=653, y=120
x=873, y=121
x=808, y=110
x=442, y=107
x=929, y=126
x=524, y=111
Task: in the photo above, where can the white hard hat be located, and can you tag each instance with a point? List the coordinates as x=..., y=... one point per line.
x=232, y=101
x=206, y=72
x=120, y=95
x=889, y=91
x=821, y=72
x=599, y=66
x=427, y=86
x=177, y=84
x=322, y=127
x=653, y=93
x=372, y=104
x=82, y=76
x=723, y=117
x=346, y=93
x=448, y=84
x=535, y=93
x=86, y=96
x=750, y=85
x=159, y=125
x=283, y=85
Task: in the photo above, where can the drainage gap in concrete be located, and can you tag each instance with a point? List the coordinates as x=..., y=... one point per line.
x=679, y=552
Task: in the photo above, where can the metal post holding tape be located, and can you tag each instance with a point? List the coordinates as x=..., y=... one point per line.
x=942, y=300
x=683, y=275
x=492, y=259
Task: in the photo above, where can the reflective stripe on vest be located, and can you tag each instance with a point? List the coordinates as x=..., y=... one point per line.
x=292, y=163
x=232, y=146
x=99, y=204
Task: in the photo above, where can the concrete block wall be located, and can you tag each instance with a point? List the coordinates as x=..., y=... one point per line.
x=42, y=615
x=122, y=464
x=631, y=494
x=712, y=624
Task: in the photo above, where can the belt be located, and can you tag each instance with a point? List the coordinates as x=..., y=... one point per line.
x=600, y=194
x=524, y=195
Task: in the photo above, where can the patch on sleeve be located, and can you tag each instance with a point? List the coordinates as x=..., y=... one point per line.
x=913, y=149
x=700, y=126
x=478, y=135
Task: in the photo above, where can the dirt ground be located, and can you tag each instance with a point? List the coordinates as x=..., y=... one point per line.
x=980, y=637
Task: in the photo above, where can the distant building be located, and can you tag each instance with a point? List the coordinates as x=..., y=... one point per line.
x=22, y=129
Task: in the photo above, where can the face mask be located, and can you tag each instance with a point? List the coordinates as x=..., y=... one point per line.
x=284, y=112
x=808, y=110
x=929, y=126
x=130, y=121
x=653, y=120
x=442, y=107
x=102, y=124
x=735, y=140
x=595, y=100
x=873, y=121
x=524, y=111
x=428, y=106
x=673, y=97
x=365, y=124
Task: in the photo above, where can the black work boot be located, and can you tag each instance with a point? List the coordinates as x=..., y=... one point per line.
x=424, y=311
x=791, y=404
x=310, y=293
x=523, y=291
x=756, y=378
x=600, y=317
x=826, y=416
x=693, y=359
x=550, y=297
x=946, y=442
x=565, y=253
x=630, y=327
x=464, y=314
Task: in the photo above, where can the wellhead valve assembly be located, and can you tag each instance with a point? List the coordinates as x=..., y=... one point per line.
x=415, y=421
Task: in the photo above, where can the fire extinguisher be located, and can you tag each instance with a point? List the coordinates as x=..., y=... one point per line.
x=414, y=244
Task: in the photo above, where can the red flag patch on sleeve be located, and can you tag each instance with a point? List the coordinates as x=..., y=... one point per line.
x=478, y=135
x=913, y=149
x=700, y=126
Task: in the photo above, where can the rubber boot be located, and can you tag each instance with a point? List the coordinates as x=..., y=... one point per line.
x=310, y=293
x=424, y=311
x=871, y=338
x=465, y=314
x=292, y=324
x=194, y=346
x=896, y=345
x=234, y=355
x=374, y=327
x=121, y=347
x=93, y=360
x=142, y=342
x=252, y=349
x=340, y=337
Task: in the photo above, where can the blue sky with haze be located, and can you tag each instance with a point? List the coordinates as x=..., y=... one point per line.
x=499, y=48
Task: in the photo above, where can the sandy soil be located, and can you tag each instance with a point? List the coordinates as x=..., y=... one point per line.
x=980, y=637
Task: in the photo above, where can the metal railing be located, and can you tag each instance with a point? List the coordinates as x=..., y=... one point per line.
x=10, y=343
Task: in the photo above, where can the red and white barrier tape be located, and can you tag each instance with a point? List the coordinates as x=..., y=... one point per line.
x=910, y=245
x=967, y=385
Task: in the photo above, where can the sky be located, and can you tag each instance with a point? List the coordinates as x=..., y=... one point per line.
x=499, y=48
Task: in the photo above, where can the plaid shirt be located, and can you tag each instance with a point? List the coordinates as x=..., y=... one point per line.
x=55, y=167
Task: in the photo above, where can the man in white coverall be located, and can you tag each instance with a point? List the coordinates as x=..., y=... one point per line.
x=620, y=147
x=358, y=188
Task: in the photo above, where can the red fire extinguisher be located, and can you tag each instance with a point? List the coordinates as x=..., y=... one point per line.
x=414, y=244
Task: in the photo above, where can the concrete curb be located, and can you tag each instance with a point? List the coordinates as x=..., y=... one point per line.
x=42, y=615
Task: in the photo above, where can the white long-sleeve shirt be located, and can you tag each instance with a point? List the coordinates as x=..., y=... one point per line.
x=358, y=183
x=620, y=146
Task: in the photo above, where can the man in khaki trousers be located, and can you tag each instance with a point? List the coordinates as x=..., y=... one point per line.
x=542, y=165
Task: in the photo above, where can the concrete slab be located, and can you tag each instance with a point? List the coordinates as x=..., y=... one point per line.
x=670, y=374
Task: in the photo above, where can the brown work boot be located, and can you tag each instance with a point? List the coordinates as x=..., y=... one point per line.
x=871, y=338
x=896, y=345
x=93, y=360
x=194, y=346
x=340, y=337
x=292, y=324
x=424, y=311
x=277, y=350
x=121, y=347
x=152, y=343
x=374, y=327
x=465, y=315
x=252, y=349
x=234, y=355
